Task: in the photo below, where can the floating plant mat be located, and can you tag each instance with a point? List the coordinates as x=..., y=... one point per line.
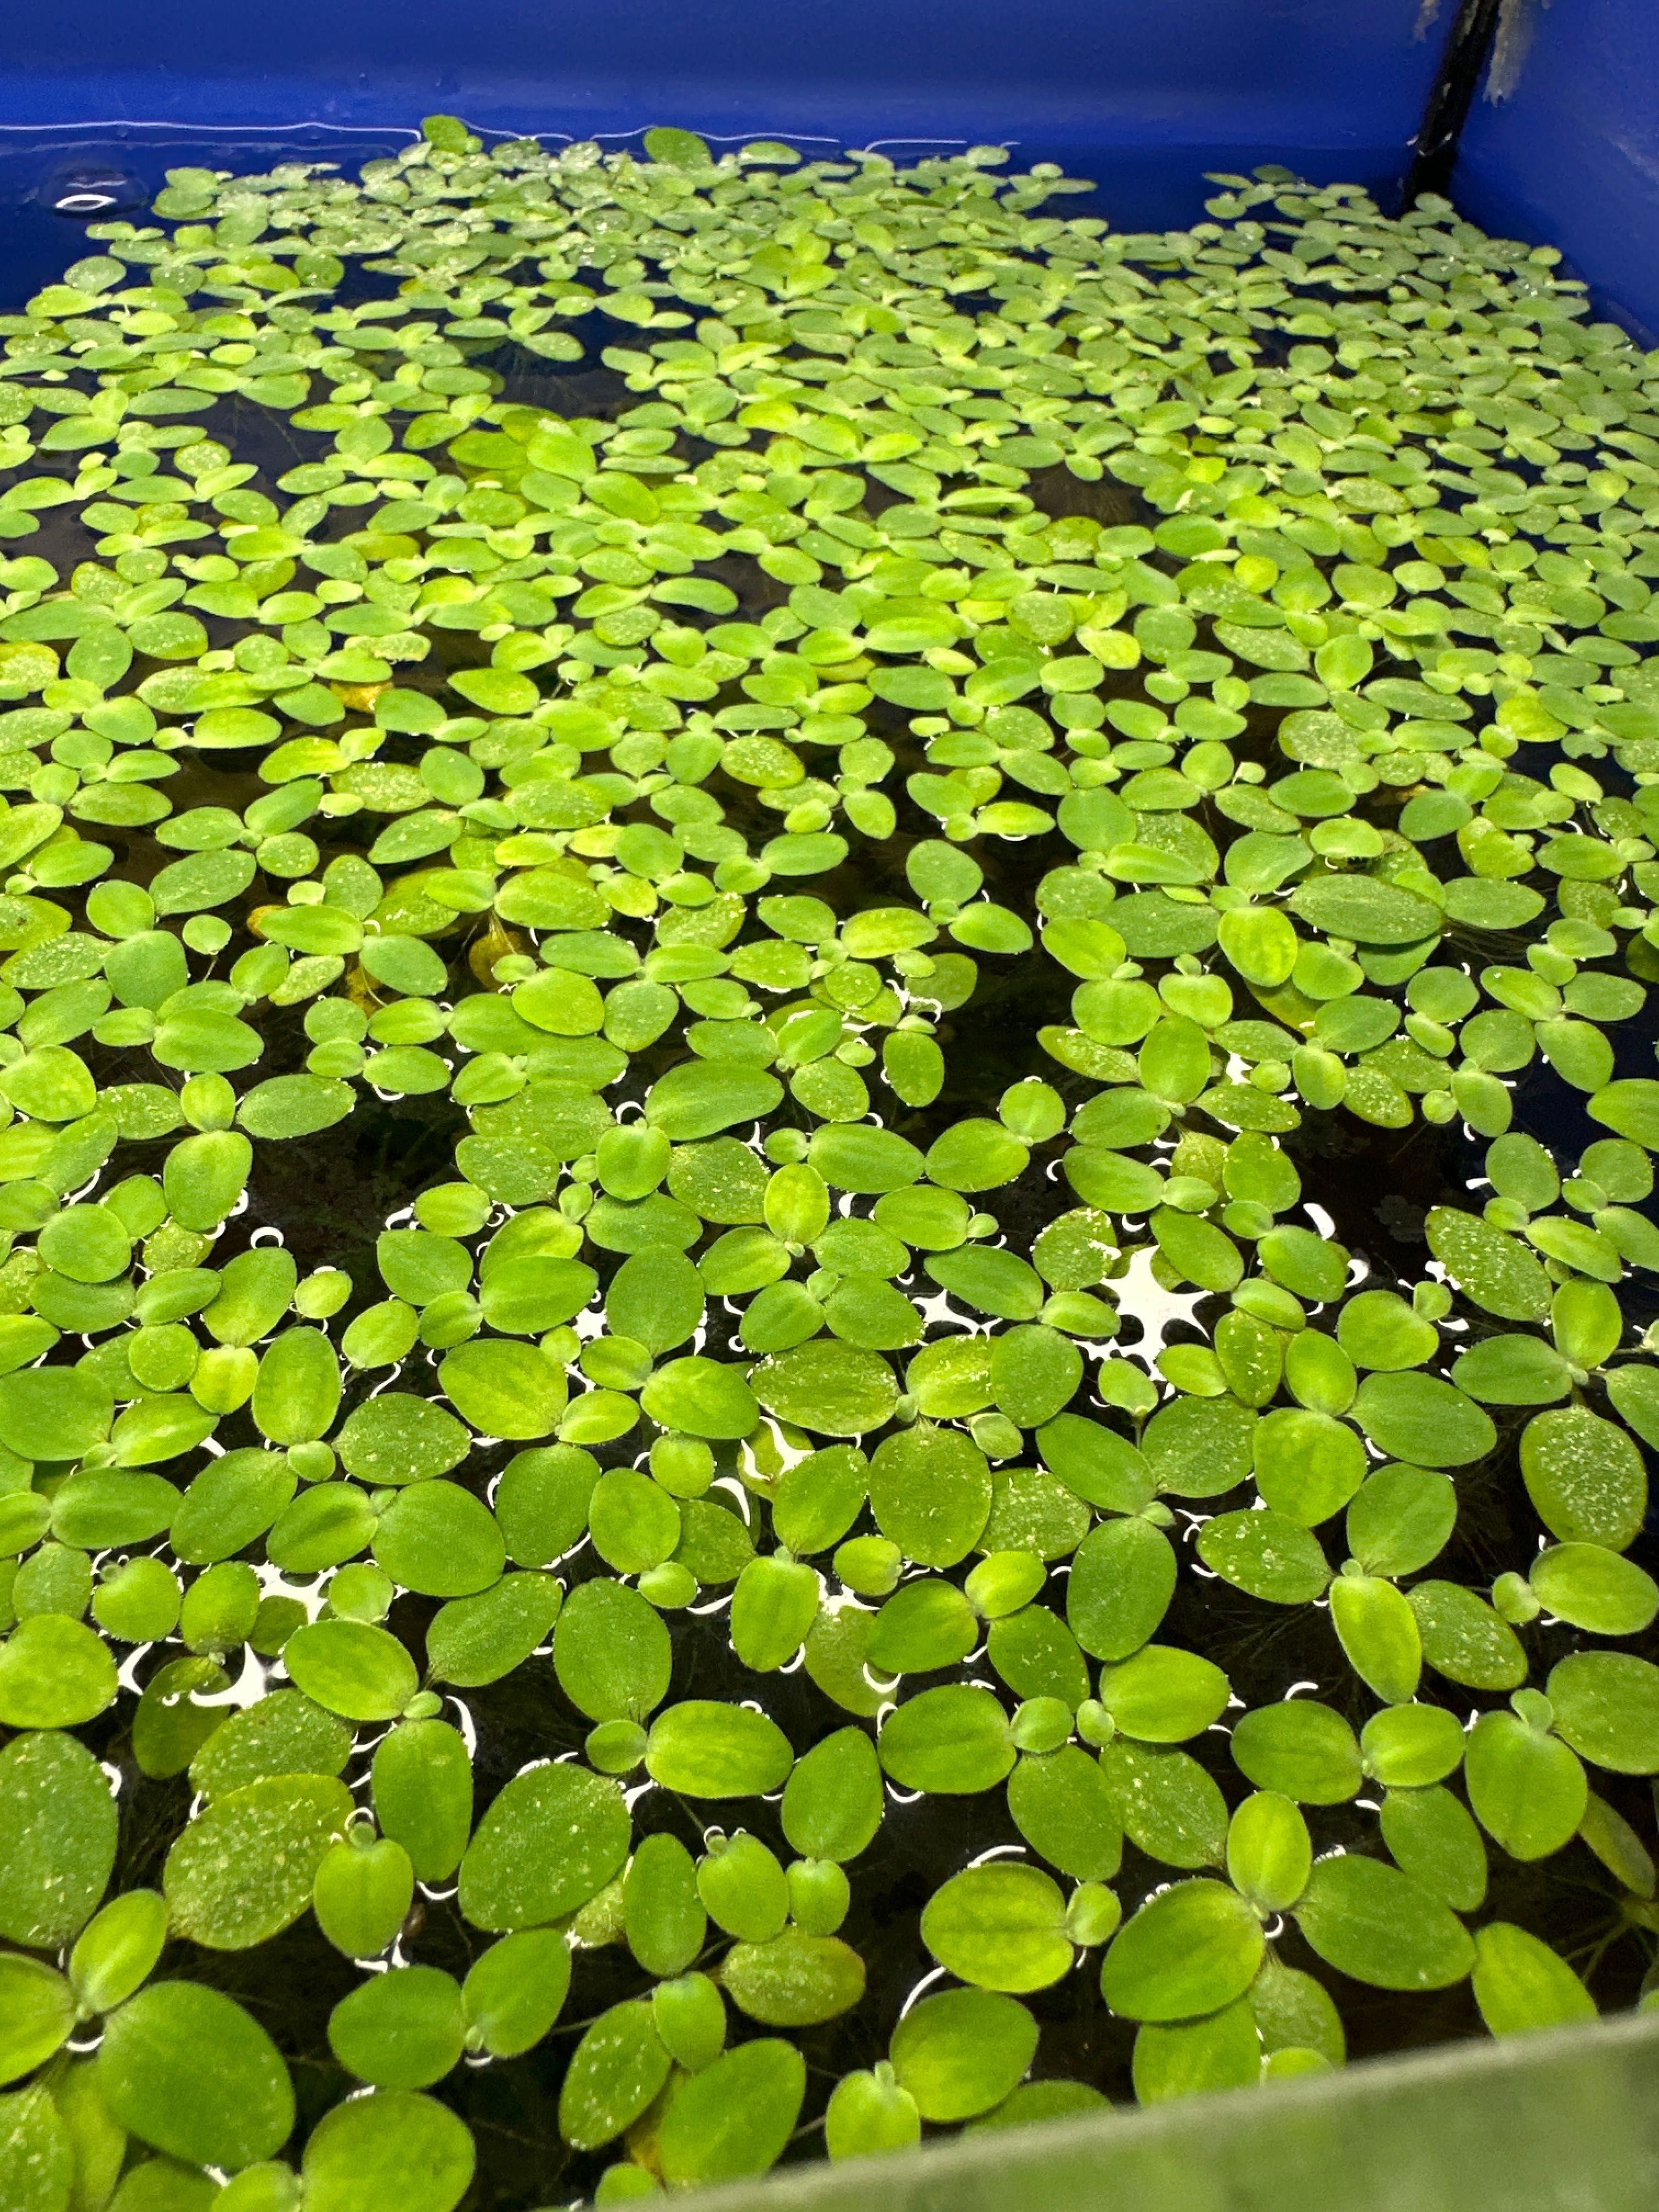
x=826, y=1283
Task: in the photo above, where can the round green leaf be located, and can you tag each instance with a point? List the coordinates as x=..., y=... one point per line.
x=663, y=1915
x=1379, y=1634
x=1035, y=1372
x=1434, y=1839
x=352, y=1669
x=703, y=1397
x=930, y=1490
x=423, y=1795
x=515, y=1991
x=1303, y=1750
x=395, y=1438
x=438, y=1539
x=1197, y=1447
x=116, y=1952
x=1585, y=1477
x=1061, y=1805
x=401, y=2030
x=242, y=1870
x=1380, y=1331
x=1463, y=1638
x=834, y=1389
x=294, y=1106
x=1164, y=1695
x=853, y=1155
x=701, y=1097
x=41, y=2159
x=832, y=1804
x=230, y=2113
x=976, y=1155
x=1269, y=1851
x=298, y=1391
x=1493, y=1268
x=552, y=1838
x=1169, y=1806
x=615, y=2072
x=174, y=1719
x=793, y=1980
x=1365, y=908
x=961, y=2052
x=1401, y=1518
x=394, y=2151
x=525, y=1297
x=736, y=2116
x=611, y=1652
x=54, y=1412
x=1000, y=1927
x=656, y=1297
x=1513, y=1371
x=1607, y=1707
x=773, y=1608
x=951, y=1742
x=281, y=1733
x=54, y=1672
x=1421, y=1419
x=1185, y=2058
x=1192, y=1949
x=363, y=1894
x=707, y=1750
x=104, y=1506
x=1308, y=1466
x=51, y=1084
x=542, y=1501
x=504, y=1390
x=1372, y=1922
x=1592, y=1588
x=1409, y=1746
x=1268, y=1554
x=37, y=2013
x=869, y=2113
x=1520, y=1983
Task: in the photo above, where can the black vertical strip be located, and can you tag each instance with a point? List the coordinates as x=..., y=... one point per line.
x=1451, y=98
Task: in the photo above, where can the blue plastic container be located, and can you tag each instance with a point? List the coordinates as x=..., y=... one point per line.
x=1143, y=96
x=1563, y=145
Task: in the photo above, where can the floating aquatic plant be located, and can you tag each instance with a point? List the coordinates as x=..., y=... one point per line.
x=894, y=840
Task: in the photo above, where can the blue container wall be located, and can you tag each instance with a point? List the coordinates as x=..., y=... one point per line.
x=1143, y=95
x=1570, y=154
